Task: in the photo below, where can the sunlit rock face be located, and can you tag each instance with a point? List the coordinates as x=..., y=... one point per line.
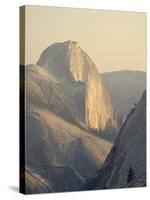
x=74, y=69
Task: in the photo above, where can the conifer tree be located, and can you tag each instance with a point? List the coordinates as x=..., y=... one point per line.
x=131, y=175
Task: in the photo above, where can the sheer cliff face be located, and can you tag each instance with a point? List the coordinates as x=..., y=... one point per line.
x=69, y=64
x=98, y=110
x=125, y=165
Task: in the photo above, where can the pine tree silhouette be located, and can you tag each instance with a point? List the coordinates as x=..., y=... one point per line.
x=131, y=175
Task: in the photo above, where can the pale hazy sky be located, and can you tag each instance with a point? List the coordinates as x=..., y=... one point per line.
x=114, y=40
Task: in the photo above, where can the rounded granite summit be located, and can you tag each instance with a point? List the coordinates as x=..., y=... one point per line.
x=71, y=66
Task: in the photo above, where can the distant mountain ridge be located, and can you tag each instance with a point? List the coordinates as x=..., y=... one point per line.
x=125, y=89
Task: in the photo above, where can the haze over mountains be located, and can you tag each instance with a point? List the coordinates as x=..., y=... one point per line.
x=66, y=103
x=125, y=89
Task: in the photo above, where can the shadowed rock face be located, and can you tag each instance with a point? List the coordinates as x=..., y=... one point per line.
x=58, y=154
x=34, y=183
x=125, y=165
x=73, y=68
x=44, y=92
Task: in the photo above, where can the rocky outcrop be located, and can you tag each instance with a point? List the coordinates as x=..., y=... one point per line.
x=43, y=91
x=74, y=69
x=125, y=165
x=61, y=153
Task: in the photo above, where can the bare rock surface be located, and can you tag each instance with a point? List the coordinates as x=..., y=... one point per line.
x=74, y=69
x=125, y=165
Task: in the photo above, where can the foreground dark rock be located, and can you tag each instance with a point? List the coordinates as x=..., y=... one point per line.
x=125, y=165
